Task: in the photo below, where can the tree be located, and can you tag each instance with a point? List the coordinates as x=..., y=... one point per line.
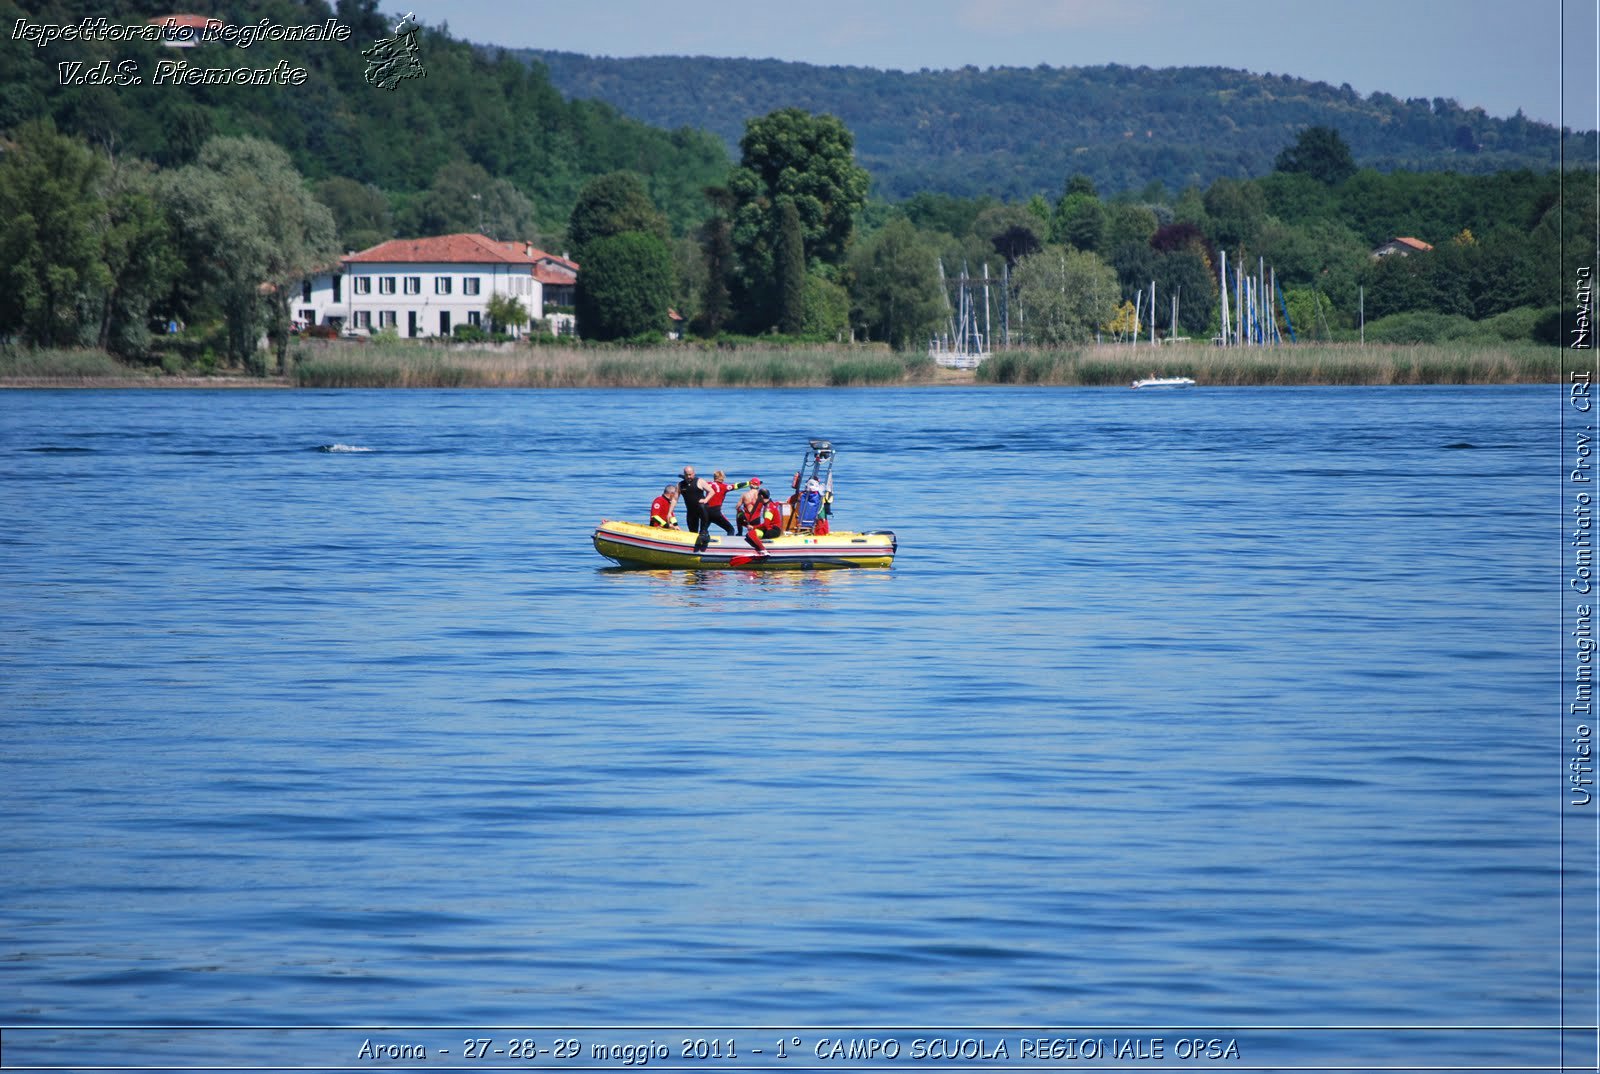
x=506, y=312
x=895, y=286
x=716, y=247
x=791, y=266
x=1014, y=231
x=464, y=198
x=1126, y=224
x=689, y=277
x=625, y=287
x=1320, y=153
x=1080, y=221
x=140, y=261
x=1065, y=295
x=51, y=264
x=247, y=228
x=808, y=160
x=360, y=211
x=827, y=309
x=1237, y=211
x=610, y=205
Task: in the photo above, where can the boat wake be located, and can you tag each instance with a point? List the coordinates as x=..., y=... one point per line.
x=342, y=449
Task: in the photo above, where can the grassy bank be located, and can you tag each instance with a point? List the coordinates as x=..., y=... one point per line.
x=1319, y=363
x=406, y=365
x=20, y=364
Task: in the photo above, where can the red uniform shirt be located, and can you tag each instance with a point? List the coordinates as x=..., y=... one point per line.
x=719, y=489
x=771, y=516
x=661, y=512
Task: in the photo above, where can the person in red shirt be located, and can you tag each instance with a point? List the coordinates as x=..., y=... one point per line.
x=763, y=521
x=711, y=509
x=662, y=506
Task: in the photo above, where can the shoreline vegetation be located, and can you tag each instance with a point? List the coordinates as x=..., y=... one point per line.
x=411, y=365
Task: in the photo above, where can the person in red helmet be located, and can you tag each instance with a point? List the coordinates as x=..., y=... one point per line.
x=763, y=522
x=746, y=502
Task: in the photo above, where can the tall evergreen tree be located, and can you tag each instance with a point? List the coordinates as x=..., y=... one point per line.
x=791, y=266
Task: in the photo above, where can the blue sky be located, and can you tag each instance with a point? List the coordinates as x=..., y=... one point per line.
x=1499, y=55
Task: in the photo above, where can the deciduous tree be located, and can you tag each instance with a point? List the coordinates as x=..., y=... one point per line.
x=808, y=160
x=247, y=229
x=1065, y=295
x=52, y=267
x=895, y=286
x=1321, y=153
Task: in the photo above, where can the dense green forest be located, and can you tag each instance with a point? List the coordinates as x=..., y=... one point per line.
x=471, y=111
x=1013, y=132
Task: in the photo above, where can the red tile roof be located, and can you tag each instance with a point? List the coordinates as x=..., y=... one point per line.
x=465, y=248
x=548, y=268
x=182, y=22
x=1415, y=244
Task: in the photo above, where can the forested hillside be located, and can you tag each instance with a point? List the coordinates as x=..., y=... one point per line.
x=1014, y=132
x=470, y=111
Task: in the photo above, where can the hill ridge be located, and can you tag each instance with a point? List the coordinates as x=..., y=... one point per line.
x=1015, y=131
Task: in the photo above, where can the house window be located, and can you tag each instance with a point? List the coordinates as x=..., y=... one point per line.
x=337, y=279
x=469, y=285
x=309, y=316
x=362, y=285
x=305, y=290
x=441, y=285
x=444, y=322
x=473, y=319
x=386, y=285
x=413, y=285
x=363, y=318
x=386, y=319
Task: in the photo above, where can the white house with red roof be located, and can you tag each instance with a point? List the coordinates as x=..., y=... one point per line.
x=423, y=288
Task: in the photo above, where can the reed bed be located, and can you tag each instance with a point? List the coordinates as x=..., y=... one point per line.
x=412, y=365
x=407, y=365
x=1333, y=363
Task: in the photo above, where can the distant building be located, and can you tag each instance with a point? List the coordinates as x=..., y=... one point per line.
x=558, y=278
x=319, y=299
x=1403, y=246
x=181, y=31
x=428, y=287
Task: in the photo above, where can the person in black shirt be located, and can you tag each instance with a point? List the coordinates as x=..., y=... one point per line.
x=694, y=492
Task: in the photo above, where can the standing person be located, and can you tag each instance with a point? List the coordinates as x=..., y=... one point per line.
x=713, y=505
x=764, y=522
x=746, y=502
x=662, y=506
x=694, y=493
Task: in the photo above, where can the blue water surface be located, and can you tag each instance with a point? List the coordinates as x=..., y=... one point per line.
x=1215, y=708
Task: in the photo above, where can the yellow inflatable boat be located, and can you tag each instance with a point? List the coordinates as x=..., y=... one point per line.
x=633, y=544
x=808, y=541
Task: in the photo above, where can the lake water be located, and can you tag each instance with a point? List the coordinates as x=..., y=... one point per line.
x=1194, y=713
